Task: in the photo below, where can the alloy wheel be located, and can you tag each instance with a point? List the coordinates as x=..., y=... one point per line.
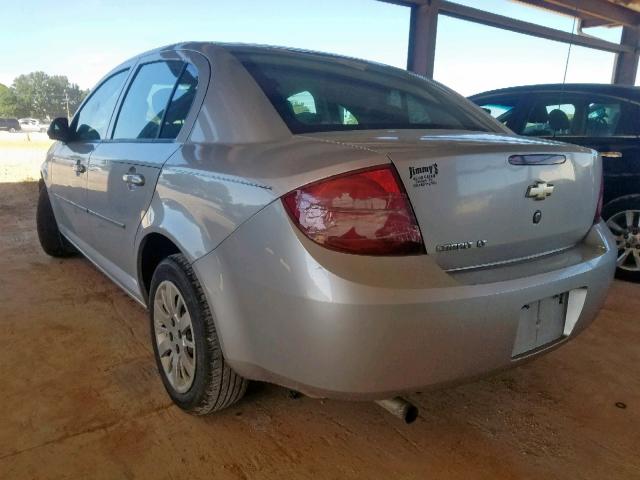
x=625, y=226
x=174, y=336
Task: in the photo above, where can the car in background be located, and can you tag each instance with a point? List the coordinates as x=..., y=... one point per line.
x=339, y=227
x=10, y=124
x=603, y=117
x=33, y=125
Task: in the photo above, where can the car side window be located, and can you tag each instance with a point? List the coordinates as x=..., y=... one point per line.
x=503, y=108
x=147, y=98
x=303, y=106
x=629, y=123
x=610, y=117
x=499, y=110
x=552, y=118
x=91, y=122
x=181, y=101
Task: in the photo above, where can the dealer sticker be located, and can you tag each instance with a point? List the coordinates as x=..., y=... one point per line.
x=424, y=176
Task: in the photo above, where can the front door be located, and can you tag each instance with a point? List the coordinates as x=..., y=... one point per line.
x=69, y=164
x=70, y=161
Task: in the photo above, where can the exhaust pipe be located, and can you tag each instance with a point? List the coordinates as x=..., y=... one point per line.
x=400, y=408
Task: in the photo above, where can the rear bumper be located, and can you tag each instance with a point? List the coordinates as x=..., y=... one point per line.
x=287, y=315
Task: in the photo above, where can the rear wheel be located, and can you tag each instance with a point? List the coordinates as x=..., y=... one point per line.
x=185, y=342
x=51, y=240
x=623, y=219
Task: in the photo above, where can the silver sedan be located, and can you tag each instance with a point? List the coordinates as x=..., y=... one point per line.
x=339, y=227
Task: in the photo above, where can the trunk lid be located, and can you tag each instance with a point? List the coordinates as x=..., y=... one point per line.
x=471, y=203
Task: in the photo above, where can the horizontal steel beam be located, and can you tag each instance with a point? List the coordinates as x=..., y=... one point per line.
x=463, y=12
x=610, y=12
x=596, y=12
x=568, y=11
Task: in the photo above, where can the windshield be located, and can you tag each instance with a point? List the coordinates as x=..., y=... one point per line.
x=316, y=93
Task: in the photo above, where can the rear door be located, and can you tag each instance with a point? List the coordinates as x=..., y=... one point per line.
x=70, y=160
x=151, y=123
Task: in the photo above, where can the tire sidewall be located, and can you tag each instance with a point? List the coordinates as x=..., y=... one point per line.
x=172, y=271
x=51, y=240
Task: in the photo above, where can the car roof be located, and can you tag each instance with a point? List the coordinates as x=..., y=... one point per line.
x=238, y=47
x=625, y=91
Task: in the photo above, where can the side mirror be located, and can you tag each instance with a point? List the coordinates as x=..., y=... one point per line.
x=59, y=129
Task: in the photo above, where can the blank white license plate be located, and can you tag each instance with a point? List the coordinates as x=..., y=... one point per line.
x=541, y=323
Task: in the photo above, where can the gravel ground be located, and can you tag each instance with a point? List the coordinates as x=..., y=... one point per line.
x=81, y=397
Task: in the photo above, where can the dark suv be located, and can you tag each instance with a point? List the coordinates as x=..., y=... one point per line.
x=603, y=117
x=10, y=124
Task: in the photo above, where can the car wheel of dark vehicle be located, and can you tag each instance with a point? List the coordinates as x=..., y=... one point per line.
x=185, y=342
x=623, y=219
x=51, y=240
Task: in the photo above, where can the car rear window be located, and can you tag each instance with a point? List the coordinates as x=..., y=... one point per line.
x=316, y=93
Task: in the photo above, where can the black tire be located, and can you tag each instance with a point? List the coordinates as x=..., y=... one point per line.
x=617, y=208
x=51, y=240
x=215, y=385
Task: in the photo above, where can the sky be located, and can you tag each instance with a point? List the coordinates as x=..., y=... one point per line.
x=84, y=39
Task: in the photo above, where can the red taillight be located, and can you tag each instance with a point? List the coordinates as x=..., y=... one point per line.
x=365, y=212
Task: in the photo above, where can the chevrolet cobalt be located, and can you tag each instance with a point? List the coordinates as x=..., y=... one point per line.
x=335, y=226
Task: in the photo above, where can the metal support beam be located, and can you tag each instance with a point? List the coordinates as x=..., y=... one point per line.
x=609, y=12
x=422, y=39
x=626, y=65
x=567, y=11
x=463, y=12
x=424, y=23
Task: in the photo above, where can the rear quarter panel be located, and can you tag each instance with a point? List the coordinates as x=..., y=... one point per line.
x=207, y=190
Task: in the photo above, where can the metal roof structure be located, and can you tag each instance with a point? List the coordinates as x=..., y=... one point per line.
x=590, y=13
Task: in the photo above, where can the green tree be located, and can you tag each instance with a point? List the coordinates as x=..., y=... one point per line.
x=42, y=96
x=8, y=102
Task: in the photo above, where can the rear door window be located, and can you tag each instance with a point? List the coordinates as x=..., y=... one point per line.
x=143, y=109
x=602, y=118
x=181, y=102
x=611, y=117
x=629, y=123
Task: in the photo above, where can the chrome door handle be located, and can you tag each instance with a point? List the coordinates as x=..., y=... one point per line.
x=133, y=179
x=611, y=154
x=79, y=168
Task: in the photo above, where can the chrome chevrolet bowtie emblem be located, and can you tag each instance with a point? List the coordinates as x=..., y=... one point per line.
x=540, y=190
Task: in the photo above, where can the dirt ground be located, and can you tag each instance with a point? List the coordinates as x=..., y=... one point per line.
x=81, y=397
